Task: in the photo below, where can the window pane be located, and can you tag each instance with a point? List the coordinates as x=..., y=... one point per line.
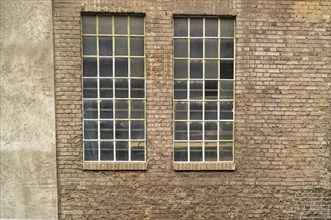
x=226, y=151
x=121, y=88
x=196, y=48
x=137, y=129
x=105, y=24
x=121, y=67
x=137, y=88
x=195, y=130
x=90, y=109
x=210, y=110
x=137, y=46
x=121, y=109
x=89, y=45
x=121, y=24
x=122, y=150
x=181, y=110
x=106, y=130
x=90, y=130
x=106, y=67
x=211, y=69
x=106, y=88
x=105, y=46
x=226, y=69
x=211, y=48
x=180, y=27
x=196, y=89
x=136, y=25
x=137, y=109
x=180, y=151
x=106, y=151
x=89, y=67
x=211, y=89
x=227, y=28
x=137, y=67
x=90, y=88
x=226, y=89
x=90, y=151
x=196, y=151
x=226, y=130
x=180, y=69
x=121, y=129
x=211, y=27
x=88, y=24
x=226, y=110
x=196, y=27
x=121, y=46
x=181, y=48
x=196, y=110
x=180, y=89
x=210, y=151
x=137, y=151
x=196, y=69
x=106, y=109
x=211, y=131
x=227, y=48
x=180, y=130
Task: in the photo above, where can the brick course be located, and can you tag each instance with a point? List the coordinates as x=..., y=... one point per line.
x=282, y=127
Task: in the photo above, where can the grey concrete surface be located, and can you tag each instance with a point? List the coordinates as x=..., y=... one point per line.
x=28, y=150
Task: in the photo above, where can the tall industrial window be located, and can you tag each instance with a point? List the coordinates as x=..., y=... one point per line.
x=203, y=89
x=113, y=88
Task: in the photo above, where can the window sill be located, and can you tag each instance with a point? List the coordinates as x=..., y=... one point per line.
x=114, y=165
x=204, y=166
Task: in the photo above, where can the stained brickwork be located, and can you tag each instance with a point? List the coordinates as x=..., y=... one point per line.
x=282, y=127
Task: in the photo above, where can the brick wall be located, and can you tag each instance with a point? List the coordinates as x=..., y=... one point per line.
x=282, y=132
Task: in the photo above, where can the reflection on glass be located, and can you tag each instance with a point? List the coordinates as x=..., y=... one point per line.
x=195, y=151
x=105, y=46
x=90, y=88
x=106, y=109
x=137, y=109
x=226, y=110
x=227, y=28
x=211, y=48
x=196, y=68
x=180, y=69
x=137, y=129
x=180, y=151
x=88, y=24
x=106, y=88
x=136, y=25
x=137, y=151
x=226, y=89
x=226, y=69
x=106, y=151
x=90, y=130
x=195, y=130
x=180, y=27
x=121, y=24
x=136, y=46
x=211, y=27
x=90, y=109
x=121, y=109
x=226, y=151
x=106, y=130
x=181, y=48
x=89, y=67
x=196, y=48
x=227, y=48
x=121, y=129
x=89, y=45
x=121, y=67
x=226, y=130
x=121, y=88
x=211, y=69
x=122, y=150
x=196, y=27
x=180, y=89
x=137, y=67
x=180, y=130
x=181, y=110
x=106, y=67
x=105, y=24
x=211, y=151
x=90, y=150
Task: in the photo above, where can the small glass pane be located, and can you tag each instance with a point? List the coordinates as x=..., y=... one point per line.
x=106, y=151
x=196, y=69
x=121, y=88
x=138, y=109
x=106, y=130
x=90, y=130
x=180, y=151
x=105, y=46
x=196, y=48
x=195, y=130
x=196, y=89
x=180, y=69
x=106, y=109
x=196, y=151
x=226, y=69
x=211, y=69
x=121, y=46
x=181, y=110
x=122, y=129
x=196, y=110
x=196, y=27
x=226, y=130
x=106, y=88
x=137, y=151
x=211, y=27
x=90, y=109
x=226, y=89
x=210, y=110
x=226, y=151
x=88, y=24
x=227, y=48
x=180, y=89
x=105, y=24
x=211, y=89
x=136, y=25
x=89, y=67
x=90, y=151
x=122, y=150
x=181, y=48
x=210, y=151
x=137, y=67
x=210, y=130
x=89, y=45
x=226, y=110
x=180, y=27
x=121, y=109
x=137, y=129
x=121, y=67
x=180, y=130
x=211, y=48
x=227, y=28
x=106, y=67
x=121, y=24
x=137, y=88
x=137, y=46
x=90, y=88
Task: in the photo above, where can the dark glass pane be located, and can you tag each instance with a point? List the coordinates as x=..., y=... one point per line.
x=121, y=46
x=105, y=46
x=210, y=110
x=196, y=110
x=106, y=151
x=89, y=67
x=89, y=45
x=105, y=24
x=227, y=28
x=180, y=69
x=226, y=69
x=180, y=130
x=210, y=130
x=211, y=89
x=180, y=27
x=226, y=130
x=227, y=48
x=137, y=88
x=196, y=131
x=90, y=130
x=226, y=151
x=180, y=151
x=226, y=89
x=211, y=69
x=137, y=67
x=211, y=27
x=137, y=46
x=181, y=48
x=196, y=48
x=196, y=89
x=196, y=69
x=210, y=151
x=196, y=27
x=90, y=88
x=88, y=24
x=137, y=151
x=136, y=25
x=122, y=150
x=121, y=24
x=121, y=67
x=211, y=48
x=121, y=129
x=106, y=109
x=121, y=109
x=121, y=88
x=106, y=130
x=90, y=109
x=226, y=110
x=196, y=151
x=181, y=110
x=137, y=130
x=138, y=109
x=90, y=151
x=106, y=88
x=180, y=89
x=106, y=67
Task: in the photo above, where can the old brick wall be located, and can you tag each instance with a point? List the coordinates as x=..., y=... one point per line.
x=282, y=132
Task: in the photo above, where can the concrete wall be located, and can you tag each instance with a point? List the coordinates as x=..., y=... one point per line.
x=28, y=152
